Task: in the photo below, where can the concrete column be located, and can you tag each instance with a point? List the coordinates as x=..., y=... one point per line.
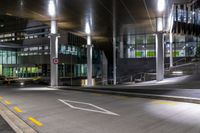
x=89, y=61
x=114, y=43
x=159, y=56
x=171, y=49
x=53, y=43
x=54, y=53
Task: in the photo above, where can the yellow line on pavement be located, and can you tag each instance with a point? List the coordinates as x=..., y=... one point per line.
x=35, y=121
x=166, y=103
x=8, y=102
x=18, y=109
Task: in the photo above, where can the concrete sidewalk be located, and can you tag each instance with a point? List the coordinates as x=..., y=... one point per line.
x=184, y=88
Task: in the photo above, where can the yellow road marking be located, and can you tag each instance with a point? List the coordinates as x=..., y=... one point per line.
x=35, y=121
x=8, y=102
x=166, y=103
x=18, y=109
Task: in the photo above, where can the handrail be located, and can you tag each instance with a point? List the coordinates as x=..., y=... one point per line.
x=180, y=60
x=176, y=62
x=130, y=78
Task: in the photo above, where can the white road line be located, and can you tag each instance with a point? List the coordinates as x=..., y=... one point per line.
x=103, y=111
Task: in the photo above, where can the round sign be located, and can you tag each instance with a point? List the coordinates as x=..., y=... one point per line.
x=55, y=61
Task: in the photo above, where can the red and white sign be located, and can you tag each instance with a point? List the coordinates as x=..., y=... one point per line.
x=55, y=61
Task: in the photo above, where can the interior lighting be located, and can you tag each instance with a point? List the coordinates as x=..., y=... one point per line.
x=22, y=83
x=159, y=24
x=87, y=28
x=21, y=3
x=177, y=72
x=52, y=8
x=161, y=5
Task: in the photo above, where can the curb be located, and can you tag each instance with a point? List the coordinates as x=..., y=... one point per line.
x=17, y=124
x=140, y=95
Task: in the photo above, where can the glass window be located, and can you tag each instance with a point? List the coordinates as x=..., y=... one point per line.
x=25, y=49
x=1, y=60
x=150, y=50
x=4, y=57
x=63, y=49
x=180, y=50
x=150, y=39
x=46, y=47
x=40, y=48
x=9, y=54
x=141, y=51
x=33, y=48
x=139, y=39
x=140, y=46
x=14, y=58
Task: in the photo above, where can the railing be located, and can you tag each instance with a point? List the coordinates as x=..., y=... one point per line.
x=182, y=60
x=138, y=77
x=178, y=61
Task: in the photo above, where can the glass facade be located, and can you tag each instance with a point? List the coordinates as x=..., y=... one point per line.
x=183, y=46
x=74, y=52
x=143, y=46
x=187, y=14
x=22, y=72
x=8, y=57
x=140, y=46
x=185, y=36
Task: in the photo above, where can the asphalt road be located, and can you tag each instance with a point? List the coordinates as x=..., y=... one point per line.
x=62, y=111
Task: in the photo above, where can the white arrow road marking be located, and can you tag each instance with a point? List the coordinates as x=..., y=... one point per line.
x=101, y=110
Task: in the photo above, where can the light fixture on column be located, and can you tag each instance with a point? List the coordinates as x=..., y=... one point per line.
x=159, y=24
x=88, y=32
x=161, y=5
x=52, y=8
x=21, y=3
x=87, y=28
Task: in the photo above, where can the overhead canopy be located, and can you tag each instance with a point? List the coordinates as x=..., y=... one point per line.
x=133, y=16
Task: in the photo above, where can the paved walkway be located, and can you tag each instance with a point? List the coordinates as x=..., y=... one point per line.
x=185, y=87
